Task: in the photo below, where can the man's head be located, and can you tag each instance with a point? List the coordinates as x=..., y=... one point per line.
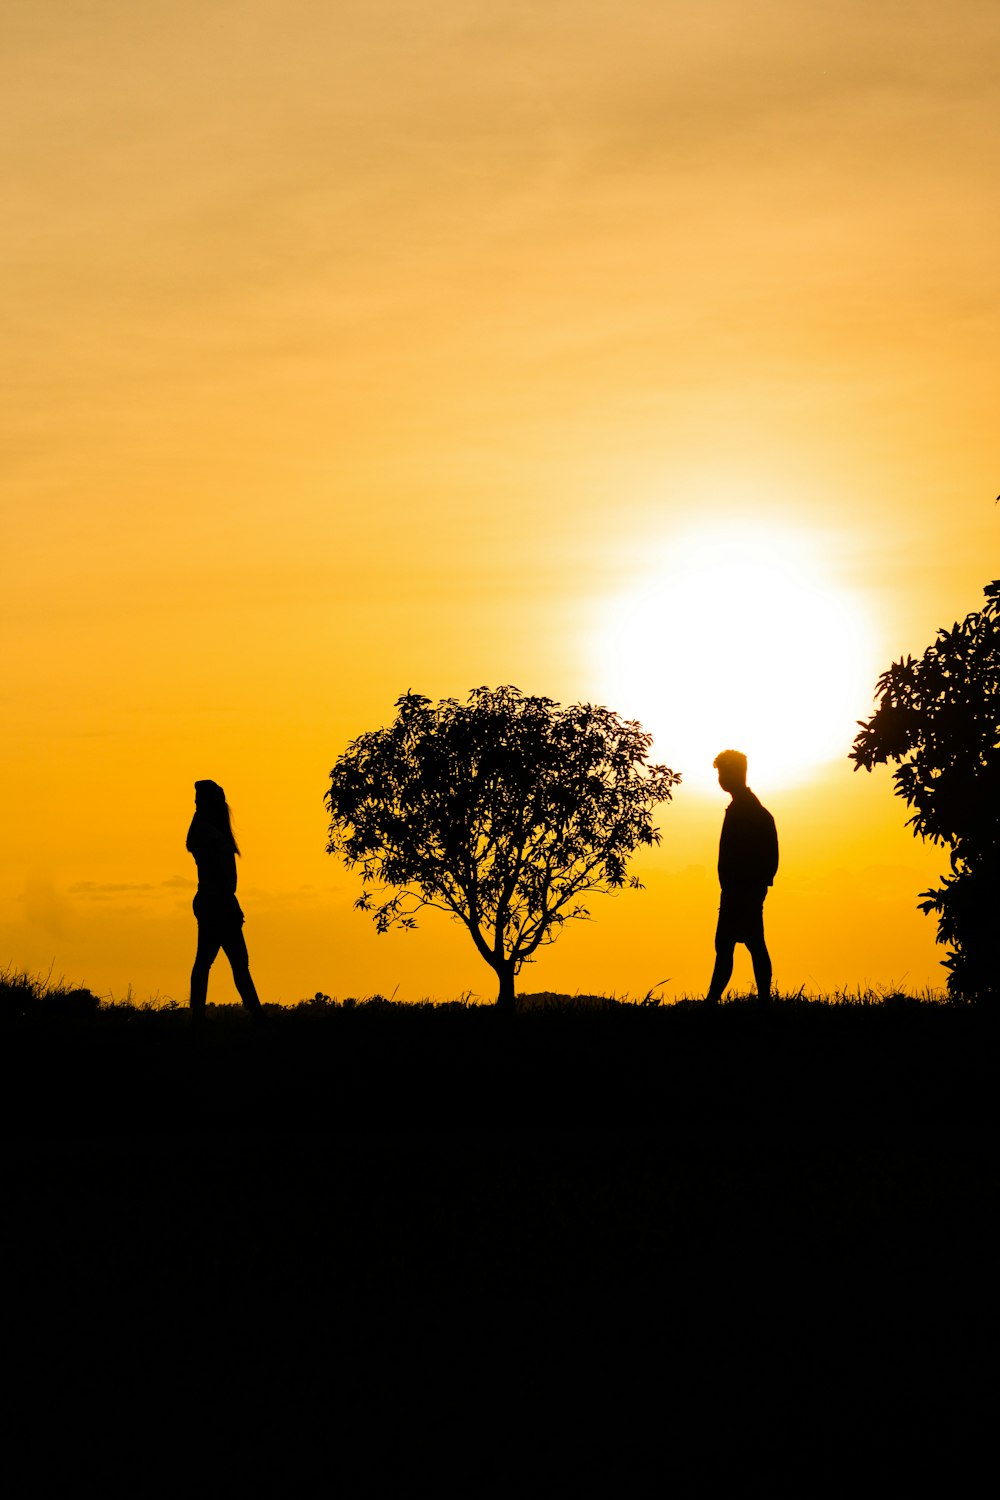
x=732, y=768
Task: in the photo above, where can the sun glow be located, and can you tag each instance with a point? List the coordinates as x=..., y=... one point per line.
x=739, y=638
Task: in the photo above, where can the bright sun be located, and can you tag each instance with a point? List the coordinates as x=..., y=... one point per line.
x=739, y=638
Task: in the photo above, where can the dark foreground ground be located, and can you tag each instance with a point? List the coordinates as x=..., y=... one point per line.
x=383, y=1250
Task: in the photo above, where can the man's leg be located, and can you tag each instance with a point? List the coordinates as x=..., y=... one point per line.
x=761, y=960
x=759, y=956
x=723, y=971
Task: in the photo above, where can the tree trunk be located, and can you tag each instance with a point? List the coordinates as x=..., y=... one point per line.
x=505, y=999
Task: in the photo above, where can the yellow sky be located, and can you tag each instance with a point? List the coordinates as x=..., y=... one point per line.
x=359, y=347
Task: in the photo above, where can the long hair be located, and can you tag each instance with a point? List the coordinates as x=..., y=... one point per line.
x=211, y=807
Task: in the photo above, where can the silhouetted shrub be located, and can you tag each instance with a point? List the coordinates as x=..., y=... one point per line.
x=23, y=994
x=70, y=1003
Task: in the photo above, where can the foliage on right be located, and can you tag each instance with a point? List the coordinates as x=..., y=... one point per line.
x=939, y=719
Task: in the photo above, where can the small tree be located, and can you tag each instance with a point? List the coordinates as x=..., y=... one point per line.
x=503, y=811
x=939, y=720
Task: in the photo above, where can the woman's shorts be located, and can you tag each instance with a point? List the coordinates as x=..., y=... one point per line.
x=223, y=913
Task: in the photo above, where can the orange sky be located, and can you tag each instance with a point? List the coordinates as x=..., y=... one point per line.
x=359, y=347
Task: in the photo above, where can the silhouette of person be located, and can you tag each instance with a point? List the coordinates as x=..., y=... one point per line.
x=748, y=863
x=220, y=920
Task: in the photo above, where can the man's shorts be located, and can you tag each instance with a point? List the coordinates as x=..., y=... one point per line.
x=741, y=916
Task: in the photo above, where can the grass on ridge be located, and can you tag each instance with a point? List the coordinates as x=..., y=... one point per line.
x=24, y=994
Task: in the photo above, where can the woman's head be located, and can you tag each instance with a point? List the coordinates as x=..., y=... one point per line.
x=208, y=794
x=210, y=803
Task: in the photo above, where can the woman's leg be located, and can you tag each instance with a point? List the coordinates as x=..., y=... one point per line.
x=235, y=948
x=208, y=947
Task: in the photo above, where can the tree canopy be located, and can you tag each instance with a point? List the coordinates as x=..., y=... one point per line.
x=938, y=719
x=504, y=811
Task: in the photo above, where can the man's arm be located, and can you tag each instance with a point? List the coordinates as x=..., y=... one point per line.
x=772, y=849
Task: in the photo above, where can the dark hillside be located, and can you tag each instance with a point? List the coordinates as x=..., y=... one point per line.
x=644, y=1245
x=74, y=1067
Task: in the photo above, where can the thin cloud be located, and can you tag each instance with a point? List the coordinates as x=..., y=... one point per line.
x=97, y=890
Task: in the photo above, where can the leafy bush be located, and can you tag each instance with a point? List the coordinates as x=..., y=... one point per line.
x=939, y=720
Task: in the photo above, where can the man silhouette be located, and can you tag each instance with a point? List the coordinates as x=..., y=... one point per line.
x=748, y=863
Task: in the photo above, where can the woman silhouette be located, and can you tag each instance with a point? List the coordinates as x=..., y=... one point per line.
x=220, y=920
